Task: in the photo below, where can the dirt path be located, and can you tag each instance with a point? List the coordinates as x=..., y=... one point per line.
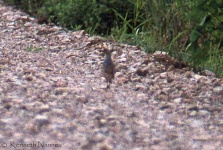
x=47, y=97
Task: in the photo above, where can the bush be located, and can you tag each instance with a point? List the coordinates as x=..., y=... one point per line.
x=95, y=16
x=205, y=47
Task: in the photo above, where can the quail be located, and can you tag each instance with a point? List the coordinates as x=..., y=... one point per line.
x=108, y=67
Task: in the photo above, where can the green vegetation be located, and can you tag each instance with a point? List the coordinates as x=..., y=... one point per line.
x=31, y=48
x=190, y=30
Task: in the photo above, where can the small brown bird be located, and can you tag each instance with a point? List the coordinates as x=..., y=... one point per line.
x=108, y=67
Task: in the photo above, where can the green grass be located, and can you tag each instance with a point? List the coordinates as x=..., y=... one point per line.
x=183, y=28
x=32, y=48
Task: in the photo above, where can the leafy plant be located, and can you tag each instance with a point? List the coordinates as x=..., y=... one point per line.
x=205, y=45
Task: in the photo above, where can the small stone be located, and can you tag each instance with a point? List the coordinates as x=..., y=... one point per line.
x=216, y=82
x=219, y=122
x=197, y=77
x=49, y=69
x=18, y=101
x=160, y=53
x=118, y=74
x=193, y=108
x=188, y=74
x=177, y=100
x=99, y=138
x=187, y=100
x=28, y=24
x=195, y=123
x=193, y=113
x=115, y=126
x=42, y=120
x=65, y=40
x=171, y=68
x=82, y=99
x=163, y=75
x=140, y=86
x=100, y=122
x=63, y=89
x=35, y=125
x=142, y=71
x=61, y=83
x=208, y=73
x=120, y=78
x=218, y=89
x=170, y=78
x=122, y=59
x=79, y=34
x=29, y=78
x=151, y=66
x=204, y=112
x=44, y=108
x=142, y=96
x=109, y=118
x=136, y=79
x=103, y=85
x=165, y=106
x=4, y=61
x=105, y=146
